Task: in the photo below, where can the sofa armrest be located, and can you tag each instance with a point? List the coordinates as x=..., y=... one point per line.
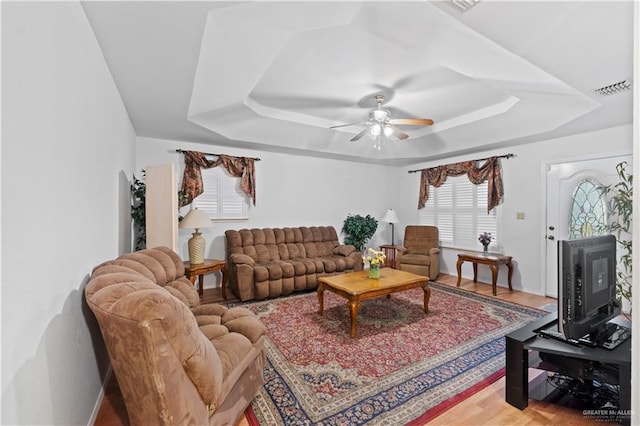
x=344, y=250
x=400, y=251
x=239, y=259
x=434, y=263
x=241, y=269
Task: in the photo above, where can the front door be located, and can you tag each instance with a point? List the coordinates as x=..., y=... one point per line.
x=572, y=207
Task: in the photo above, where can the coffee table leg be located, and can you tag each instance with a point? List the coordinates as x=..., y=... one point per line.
x=427, y=296
x=320, y=298
x=353, y=308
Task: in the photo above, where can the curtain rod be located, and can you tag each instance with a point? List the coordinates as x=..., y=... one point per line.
x=217, y=155
x=507, y=156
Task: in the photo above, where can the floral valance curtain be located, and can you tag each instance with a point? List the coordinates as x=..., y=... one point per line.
x=192, y=186
x=489, y=171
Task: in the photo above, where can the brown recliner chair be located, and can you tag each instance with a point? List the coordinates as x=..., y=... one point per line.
x=177, y=361
x=421, y=254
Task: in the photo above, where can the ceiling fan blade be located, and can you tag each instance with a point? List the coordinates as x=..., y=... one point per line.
x=359, y=135
x=350, y=124
x=412, y=121
x=399, y=133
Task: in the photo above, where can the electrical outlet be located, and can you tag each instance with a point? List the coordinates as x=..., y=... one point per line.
x=520, y=215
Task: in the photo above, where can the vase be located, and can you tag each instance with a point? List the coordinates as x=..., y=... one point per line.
x=485, y=249
x=374, y=271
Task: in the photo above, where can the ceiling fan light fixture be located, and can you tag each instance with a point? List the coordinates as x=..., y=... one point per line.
x=380, y=115
x=381, y=123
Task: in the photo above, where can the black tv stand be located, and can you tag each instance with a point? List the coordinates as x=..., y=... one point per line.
x=577, y=360
x=609, y=336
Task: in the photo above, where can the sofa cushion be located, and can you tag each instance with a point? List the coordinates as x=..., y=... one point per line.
x=210, y=309
x=204, y=320
x=248, y=326
x=344, y=250
x=213, y=331
x=231, y=349
x=416, y=259
x=156, y=268
x=130, y=265
x=184, y=290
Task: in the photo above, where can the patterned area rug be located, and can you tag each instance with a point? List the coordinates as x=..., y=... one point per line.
x=403, y=367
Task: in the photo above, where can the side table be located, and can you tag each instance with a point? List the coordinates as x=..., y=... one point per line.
x=208, y=266
x=491, y=259
x=391, y=252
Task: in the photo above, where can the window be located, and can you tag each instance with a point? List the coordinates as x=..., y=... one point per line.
x=589, y=215
x=222, y=198
x=459, y=209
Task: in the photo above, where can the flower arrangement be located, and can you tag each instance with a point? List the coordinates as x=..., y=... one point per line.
x=374, y=258
x=485, y=238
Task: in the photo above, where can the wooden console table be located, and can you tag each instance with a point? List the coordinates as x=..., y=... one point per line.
x=491, y=259
x=200, y=270
x=391, y=252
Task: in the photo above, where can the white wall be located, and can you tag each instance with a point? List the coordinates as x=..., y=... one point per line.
x=290, y=191
x=67, y=157
x=296, y=191
x=523, y=178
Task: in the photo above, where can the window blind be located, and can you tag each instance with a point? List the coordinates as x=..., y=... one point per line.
x=222, y=198
x=459, y=209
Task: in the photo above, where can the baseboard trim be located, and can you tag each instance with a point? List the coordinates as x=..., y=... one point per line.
x=98, y=404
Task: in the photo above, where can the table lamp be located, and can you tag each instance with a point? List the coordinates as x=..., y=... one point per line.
x=391, y=217
x=196, y=219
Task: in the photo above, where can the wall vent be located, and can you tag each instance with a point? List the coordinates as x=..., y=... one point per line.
x=615, y=88
x=464, y=5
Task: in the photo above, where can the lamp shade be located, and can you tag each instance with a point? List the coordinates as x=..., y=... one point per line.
x=196, y=219
x=391, y=217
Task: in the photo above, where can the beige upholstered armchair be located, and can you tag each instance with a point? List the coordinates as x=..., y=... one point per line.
x=421, y=254
x=177, y=361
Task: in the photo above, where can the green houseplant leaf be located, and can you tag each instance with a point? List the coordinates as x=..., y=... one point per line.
x=621, y=208
x=359, y=229
x=138, y=214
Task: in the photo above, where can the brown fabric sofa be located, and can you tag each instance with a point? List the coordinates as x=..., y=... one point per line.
x=421, y=254
x=271, y=262
x=177, y=361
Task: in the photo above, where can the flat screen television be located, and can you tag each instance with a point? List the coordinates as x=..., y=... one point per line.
x=587, y=289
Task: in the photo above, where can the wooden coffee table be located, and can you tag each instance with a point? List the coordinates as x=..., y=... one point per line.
x=357, y=286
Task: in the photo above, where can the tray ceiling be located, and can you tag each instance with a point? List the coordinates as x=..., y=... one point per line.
x=276, y=75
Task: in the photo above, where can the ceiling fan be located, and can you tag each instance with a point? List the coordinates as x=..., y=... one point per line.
x=380, y=121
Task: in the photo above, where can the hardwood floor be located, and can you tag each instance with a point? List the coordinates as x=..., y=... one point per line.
x=486, y=407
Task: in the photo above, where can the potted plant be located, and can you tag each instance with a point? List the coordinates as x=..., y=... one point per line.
x=358, y=230
x=621, y=207
x=138, y=198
